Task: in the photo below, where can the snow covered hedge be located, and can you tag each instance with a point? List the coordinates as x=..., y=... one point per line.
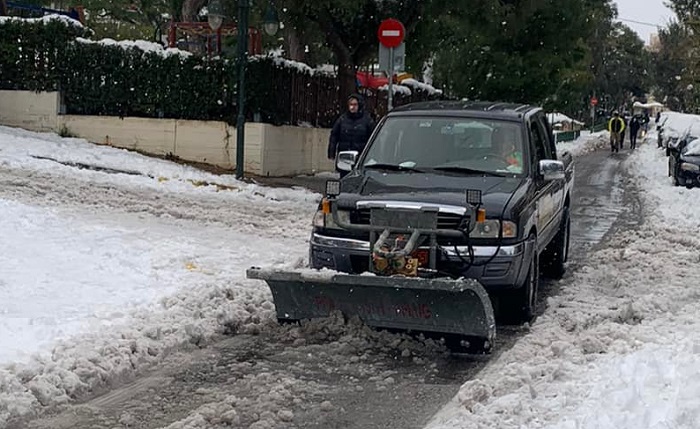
x=144, y=79
x=31, y=50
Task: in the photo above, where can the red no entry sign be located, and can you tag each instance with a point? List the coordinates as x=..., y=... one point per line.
x=594, y=101
x=391, y=33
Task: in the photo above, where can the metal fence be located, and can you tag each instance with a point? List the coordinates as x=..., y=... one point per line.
x=566, y=136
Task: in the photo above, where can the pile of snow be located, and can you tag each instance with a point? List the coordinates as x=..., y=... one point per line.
x=147, y=47
x=396, y=89
x=652, y=105
x=111, y=260
x=619, y=346
x=47, y=151
x=677, y=206
x=413, y=83
x=556, y=118
x=296, y=65
x=585, y=143
x=44, y=19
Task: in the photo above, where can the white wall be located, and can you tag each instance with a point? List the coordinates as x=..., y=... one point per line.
x=269, y=150
x=295, y=150
x=29, y=110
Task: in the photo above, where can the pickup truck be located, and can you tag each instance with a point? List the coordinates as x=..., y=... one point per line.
x=430, y=154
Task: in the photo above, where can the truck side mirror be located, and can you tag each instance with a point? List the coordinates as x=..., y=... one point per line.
x=346, y=160
x=552, y=170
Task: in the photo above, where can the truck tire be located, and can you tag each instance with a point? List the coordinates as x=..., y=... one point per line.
x=557, y=253
x=517, y=306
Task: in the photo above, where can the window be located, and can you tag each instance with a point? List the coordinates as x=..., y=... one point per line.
x=537, y=142
x=540, y=139
x=427, y=142
x=549, y=136
x=692, y=148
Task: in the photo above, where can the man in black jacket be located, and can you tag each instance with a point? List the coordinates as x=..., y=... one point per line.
x=635, y=124
x=352, y=130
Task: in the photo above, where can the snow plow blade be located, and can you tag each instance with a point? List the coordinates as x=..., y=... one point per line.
x=459, y=311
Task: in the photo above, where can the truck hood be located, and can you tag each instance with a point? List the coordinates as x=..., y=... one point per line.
x=430, y=188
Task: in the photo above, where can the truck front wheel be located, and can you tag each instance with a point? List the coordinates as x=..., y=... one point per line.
x=557, y=252
x=516, y=306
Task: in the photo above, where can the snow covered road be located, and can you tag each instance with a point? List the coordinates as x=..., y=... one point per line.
x=149, y=346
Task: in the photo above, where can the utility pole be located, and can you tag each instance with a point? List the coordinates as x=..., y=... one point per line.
x=243, y=11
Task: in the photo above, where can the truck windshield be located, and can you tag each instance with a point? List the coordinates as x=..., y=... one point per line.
x=466, y=145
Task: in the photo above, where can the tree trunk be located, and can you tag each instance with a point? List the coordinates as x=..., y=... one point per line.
x=190, y=9
x=346, y=80
x=346, y=63
x=3, y=8
x=295, y=45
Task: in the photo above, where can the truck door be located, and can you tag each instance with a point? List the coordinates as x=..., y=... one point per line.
x=545, y=190
x=559, y=186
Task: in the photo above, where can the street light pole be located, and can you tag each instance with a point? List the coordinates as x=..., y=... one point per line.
x=243, y=11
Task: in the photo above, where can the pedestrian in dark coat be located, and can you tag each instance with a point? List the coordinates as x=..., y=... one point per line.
x=635, y=124
x=352, y=130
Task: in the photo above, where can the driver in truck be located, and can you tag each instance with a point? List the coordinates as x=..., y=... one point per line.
x=504, y=141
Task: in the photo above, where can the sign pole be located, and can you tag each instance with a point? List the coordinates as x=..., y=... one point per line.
x=391, y=34
x=594, y=101
x=390, y=104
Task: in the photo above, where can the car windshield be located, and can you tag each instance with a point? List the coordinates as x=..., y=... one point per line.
x=692, y=148
x=459, y=145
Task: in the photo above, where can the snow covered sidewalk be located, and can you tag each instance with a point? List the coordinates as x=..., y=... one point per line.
x=619, y=347
x=111, y=259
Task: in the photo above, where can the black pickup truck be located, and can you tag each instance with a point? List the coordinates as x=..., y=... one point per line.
x=429, y=154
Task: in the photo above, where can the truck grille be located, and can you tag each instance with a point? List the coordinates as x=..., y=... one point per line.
x=445, y=220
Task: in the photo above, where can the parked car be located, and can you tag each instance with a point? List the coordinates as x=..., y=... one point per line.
x=684, y=163
x=674, y=127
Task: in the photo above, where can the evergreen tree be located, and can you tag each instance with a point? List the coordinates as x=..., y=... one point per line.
x=515, y=51
x=349, y=28
x=678, y=61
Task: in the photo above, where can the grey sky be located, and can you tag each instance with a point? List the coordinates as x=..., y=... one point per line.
x=649, y=11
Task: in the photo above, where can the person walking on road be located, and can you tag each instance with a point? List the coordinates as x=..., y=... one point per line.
x=635, y=124
x=352, y=130
x=615, y=126
x=624, y=129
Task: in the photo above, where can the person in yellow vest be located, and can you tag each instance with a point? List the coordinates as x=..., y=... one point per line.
x=615, y=126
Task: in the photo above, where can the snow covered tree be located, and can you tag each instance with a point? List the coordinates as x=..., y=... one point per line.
x=124, y=19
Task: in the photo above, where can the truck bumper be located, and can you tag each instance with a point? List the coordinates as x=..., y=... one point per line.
x=507, y=269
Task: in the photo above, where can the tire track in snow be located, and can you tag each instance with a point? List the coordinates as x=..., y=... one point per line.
x=251, y=214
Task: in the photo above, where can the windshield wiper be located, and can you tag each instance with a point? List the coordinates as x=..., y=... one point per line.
x=392, y=167
x=467, y=170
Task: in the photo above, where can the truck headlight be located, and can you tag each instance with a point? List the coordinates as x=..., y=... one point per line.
x=490, y=227
x=322, y=220
x=689, y=167
x=319, y=219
